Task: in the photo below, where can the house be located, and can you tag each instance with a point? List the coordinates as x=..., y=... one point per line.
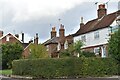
x=10, y=38
x=55, y=44
x=96, y=33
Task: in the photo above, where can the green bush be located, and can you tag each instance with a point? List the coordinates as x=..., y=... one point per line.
x=88, y=54
x=67, y=67
x=10, y=52
x=114, y=46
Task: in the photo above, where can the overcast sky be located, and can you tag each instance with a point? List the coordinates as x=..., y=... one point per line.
x=38, y=16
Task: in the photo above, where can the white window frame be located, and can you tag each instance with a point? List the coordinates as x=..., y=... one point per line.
x=97, y=50
x=47, y=48
x=66, y=45
x=96, y=35
x=7, y=38
x=58, y=46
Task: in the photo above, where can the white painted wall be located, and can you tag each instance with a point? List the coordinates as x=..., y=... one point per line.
x=103, y=36
x=90, y=41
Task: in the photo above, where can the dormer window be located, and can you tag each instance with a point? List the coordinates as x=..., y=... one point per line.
x=96, y=35
x=7, y=38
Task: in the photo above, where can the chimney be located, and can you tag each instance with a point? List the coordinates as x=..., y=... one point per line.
x=102, y=10
x=17, y=35
x=61, y=35
x=22, y=37
x=81, y=24
x=1, y=33
x=36, y=39
x=31, y=41
x=62, y=31
x=53, y=32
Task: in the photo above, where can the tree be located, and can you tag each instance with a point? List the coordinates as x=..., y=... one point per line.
x=73, y=49
x=77, y=46
x=10, y=52
x=38, y=51
x=114, y=45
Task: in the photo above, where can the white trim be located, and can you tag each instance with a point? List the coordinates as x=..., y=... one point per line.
x=12, y=35
x=27, y=46
x=66, y=45
x=58, y=46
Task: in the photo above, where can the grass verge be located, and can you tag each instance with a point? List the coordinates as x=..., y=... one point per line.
x=6, y=72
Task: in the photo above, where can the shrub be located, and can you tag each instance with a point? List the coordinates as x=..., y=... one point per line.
x=37, y=51
x=114, y=45
x=10, y=52
x=67, y=67
x=88, y=54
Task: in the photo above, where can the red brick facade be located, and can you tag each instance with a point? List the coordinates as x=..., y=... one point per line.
x=10, y=38
x=56, y=44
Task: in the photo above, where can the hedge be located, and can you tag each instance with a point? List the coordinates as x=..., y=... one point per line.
x=68, y=67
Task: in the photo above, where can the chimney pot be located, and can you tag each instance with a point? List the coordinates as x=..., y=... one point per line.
x=81, y=19
x=62, y=31
x=102, y=6
x=53, y=32
x=81, y=24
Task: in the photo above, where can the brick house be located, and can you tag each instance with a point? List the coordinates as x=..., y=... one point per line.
x=57, y=44
x=95, y=33
x=10, y=38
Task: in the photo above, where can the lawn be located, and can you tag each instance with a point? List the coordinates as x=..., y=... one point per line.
x=6, y=72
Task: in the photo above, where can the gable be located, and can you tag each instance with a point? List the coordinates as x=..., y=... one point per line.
x=9, y=38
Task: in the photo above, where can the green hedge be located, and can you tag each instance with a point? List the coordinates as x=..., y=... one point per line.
x=68, y=67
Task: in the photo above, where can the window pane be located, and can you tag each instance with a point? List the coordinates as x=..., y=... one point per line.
x=83, y=38
x=96, y=35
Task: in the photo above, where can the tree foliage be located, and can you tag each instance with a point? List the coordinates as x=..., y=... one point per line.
x=73, y=49
x=114, y=45
x=38, y=51
x=10, y=52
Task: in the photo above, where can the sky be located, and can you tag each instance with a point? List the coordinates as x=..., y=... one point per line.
x=39, y=16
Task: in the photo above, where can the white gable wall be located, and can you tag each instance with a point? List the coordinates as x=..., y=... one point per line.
x=90, y=41
x=103, y=38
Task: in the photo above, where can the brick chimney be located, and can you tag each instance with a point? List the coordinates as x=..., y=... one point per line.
x=1, y=33
x=22, y=37
x=81, y=23
x=61, y=31
x=36, y=39
x=62, y=36
x=53, y=32
x=102, y=10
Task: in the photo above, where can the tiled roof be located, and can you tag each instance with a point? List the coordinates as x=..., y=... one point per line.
x=97, y=23
x=25, y=45
x=56, y=40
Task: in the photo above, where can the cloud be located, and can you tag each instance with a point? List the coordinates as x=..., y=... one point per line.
x=35, y=16
x=34, y=9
